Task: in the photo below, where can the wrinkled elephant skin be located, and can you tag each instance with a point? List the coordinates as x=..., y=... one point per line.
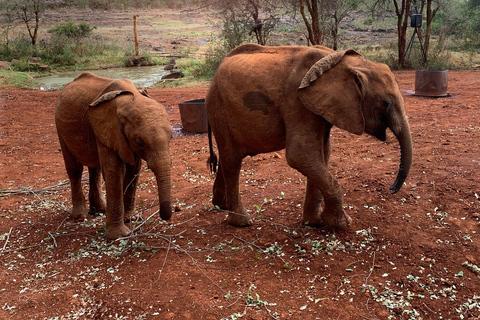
x=110, y=126
x=264, y=99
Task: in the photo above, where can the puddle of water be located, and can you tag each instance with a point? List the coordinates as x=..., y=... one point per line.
x=140, y=76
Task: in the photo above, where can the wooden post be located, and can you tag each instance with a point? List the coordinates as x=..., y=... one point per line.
x=136, y=36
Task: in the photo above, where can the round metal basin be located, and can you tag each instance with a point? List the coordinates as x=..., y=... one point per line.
x=431, y=83
x=193, y=116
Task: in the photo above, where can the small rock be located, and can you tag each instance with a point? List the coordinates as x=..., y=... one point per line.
x=4, y=64
x=174, y=75
x=69, y=293
x=471, y=258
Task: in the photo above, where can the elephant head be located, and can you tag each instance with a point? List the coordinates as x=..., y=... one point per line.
x=134, y=125
x=359, y=96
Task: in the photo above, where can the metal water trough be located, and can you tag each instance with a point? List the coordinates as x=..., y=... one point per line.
x=193, y=116
x=431, y=83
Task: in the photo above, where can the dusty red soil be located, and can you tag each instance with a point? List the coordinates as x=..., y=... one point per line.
x=411, y=255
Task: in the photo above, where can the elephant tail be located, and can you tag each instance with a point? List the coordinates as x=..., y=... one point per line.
x=212, y=160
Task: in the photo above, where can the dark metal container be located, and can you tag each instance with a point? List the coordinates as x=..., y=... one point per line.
x=431, y=83
x=416, y=20
x=193, y=116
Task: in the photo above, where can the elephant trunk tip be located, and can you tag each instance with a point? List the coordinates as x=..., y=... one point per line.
x=166, y=210
x=397, y=185
x=395, y=188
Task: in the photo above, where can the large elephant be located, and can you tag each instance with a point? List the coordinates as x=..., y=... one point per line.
x=264, y=99
x=110, y=126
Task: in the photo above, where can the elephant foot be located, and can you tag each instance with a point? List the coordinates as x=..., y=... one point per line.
x=115, y=232
x=79, y=214
x=336, y=219
x=220, y=202
x=95, y=212
x=96, y=208
x=239, y=219
x=315, y=221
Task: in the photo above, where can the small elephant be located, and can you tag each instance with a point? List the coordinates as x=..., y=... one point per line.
x=264, y=99
x=110, y=126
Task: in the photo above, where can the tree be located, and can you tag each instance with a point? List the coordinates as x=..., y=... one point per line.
x=432, y=7
x=322, y=19
x=30, y=12
x=245, y=18
x=7, y=17
x=312, y=21
x=402, y=10
x=336, y=11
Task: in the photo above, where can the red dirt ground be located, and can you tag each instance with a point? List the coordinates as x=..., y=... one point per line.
x=411, y=255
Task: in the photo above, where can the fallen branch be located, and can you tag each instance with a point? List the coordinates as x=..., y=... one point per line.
x=20, y=249
x=24, y=190
x=6, y=241
x=371, y=270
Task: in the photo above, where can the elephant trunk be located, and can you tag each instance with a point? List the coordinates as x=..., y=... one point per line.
x=162, y=171
x=401, y=130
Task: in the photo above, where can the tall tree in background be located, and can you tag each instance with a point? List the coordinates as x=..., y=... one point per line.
x=402, y=10
x=336, y=11
x=432, y=7
x=7, y=18
x=245, y=18
x=322, y=19
x=29, y=12
x=311, y=21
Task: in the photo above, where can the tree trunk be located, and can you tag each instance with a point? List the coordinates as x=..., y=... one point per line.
x=313, y=28
x=428, y=30
x=403, y=16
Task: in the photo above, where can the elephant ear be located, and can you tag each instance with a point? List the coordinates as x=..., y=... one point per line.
x=337, y=96
x=105, y=121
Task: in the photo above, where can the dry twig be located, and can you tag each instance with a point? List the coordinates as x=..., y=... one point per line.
x=6, y=241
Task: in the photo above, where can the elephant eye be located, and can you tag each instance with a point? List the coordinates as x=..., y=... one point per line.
x=387, y=105
x=139, y=142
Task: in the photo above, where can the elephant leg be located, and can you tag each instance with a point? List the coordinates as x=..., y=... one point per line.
x=113, y=169
x=130, y=187
x=74, y=171
x=309, y=155
x=330, y=215
x=219, y=198
x=95, y=195
x=313, y=195
x=231, y=165
x=311, y=205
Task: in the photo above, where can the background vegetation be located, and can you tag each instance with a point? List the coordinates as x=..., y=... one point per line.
x=450, y=33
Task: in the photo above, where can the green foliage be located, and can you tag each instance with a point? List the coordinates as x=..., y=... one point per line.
x=460, y=22
x=18, y=48
x=72, y=30
x=143, y=59
x=209, y=66
x=18, y=79
x=69, y=45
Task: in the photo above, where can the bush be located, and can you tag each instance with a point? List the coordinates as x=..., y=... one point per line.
x=207, y=68
x=72, y=30
x=18, y=48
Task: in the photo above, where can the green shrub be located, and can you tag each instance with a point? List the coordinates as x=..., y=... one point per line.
x=207, y=68
x=72, y=30
x=18, y=48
